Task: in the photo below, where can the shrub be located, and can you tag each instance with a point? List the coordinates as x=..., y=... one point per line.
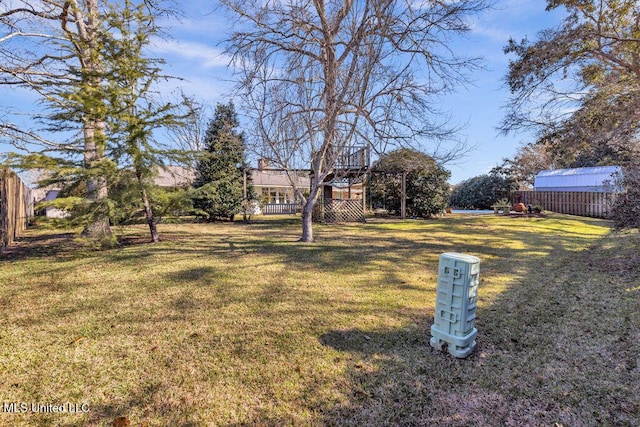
x=625, y=211
x=480, y=192
x=427, y=190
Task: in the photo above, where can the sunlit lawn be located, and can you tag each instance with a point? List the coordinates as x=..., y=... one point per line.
x=234, y=324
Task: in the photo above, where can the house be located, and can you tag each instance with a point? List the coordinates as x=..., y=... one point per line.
x=167, y=176
x=170, y=176
x=46, y=195
x=277, y=196
x=599, y=179
x=273, y=188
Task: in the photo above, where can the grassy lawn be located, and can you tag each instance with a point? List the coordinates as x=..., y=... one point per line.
x=232, y=324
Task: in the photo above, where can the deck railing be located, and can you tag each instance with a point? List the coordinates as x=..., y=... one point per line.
x=280, y=208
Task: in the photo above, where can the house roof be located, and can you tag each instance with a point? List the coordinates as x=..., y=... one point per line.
x=174, y=176
x=594, y=179
x=593, y=171
x=273, y=178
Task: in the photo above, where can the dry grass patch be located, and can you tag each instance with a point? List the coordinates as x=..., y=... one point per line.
x=230, y=324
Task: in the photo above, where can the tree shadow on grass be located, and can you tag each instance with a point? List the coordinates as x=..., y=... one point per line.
x=193, y=275
x=556, y=347
x=41, y=245
x=148, y=396
x=369, y=343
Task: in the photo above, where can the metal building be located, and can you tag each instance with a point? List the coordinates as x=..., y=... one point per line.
x=599, y=179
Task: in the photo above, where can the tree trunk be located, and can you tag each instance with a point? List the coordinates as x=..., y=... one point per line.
x=307, y=221
x=97, y=191
x=151, y=220
x=87, y=23
x=148, y=210
x=307, y=213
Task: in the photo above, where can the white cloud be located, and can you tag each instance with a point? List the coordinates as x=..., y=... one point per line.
x=198, y=54
x=516, y=18
x=491, y=31
x=208, y=90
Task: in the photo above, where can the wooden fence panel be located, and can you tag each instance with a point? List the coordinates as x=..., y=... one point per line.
x=16, y=207
x=569, y=202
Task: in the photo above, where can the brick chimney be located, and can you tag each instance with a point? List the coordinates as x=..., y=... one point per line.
x=263, y=164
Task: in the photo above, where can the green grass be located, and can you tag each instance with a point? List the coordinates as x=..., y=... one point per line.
x=232, y=324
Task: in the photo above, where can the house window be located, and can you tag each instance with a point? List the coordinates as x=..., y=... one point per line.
x=278, y=195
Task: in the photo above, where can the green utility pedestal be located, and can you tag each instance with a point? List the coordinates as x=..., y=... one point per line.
x=457, y=295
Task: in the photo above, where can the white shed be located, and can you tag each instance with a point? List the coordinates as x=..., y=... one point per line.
x=599, y=179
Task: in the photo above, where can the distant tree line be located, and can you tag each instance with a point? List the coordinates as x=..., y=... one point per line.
x=480, y=192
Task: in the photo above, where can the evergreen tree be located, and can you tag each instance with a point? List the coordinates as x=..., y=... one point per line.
x=61, y=64
x=72, y=65
x=427, y=190
x=219, y=179
x=135, y=114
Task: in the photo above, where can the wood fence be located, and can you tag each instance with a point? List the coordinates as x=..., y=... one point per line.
x=16, y=207
x=568, y=202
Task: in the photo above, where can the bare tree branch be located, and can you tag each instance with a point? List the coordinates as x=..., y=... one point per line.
x=322, y=78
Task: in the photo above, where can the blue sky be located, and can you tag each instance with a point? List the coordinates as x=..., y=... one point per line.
x=193, y=53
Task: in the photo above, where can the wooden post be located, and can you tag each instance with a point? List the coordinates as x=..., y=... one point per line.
x=364, y=196
x=327, y=191
x=245, y=202
x=403, y=197
x=244, y=183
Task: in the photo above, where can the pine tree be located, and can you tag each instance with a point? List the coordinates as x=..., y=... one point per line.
x=135, y=114
x=87, y=68
x=219, y=174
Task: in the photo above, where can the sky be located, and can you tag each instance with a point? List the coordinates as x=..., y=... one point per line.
x=193, y=53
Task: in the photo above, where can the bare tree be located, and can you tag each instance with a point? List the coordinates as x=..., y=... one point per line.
x=323, y=77
x=189, y=136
